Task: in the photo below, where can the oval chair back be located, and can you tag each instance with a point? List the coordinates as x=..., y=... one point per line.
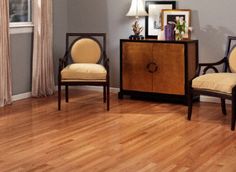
x=86, y=50
x=232, y=60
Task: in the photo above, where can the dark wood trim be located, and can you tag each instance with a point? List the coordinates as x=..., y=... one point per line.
x=186, y=68
x=223, y=106
x=67, y=93
x=120, y=94
x=190, y=100
x=211, y=93
x=233, y=108
x=229, y=41
x=83, y=83
x=170, y=98
x=159, y=41
x=197, y=53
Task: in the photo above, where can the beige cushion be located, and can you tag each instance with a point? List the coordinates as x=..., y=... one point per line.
x=232, y=60
x=84, y=71
x=218, y=82
x=86, y=50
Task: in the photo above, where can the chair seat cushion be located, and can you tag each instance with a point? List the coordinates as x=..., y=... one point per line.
x=217, y=82
x=84, y=71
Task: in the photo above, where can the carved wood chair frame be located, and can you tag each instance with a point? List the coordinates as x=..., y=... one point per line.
x=63, y=62
x=204, y=67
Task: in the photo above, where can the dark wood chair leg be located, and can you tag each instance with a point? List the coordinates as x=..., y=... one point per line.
x=108, y=97
x=233, y=109
x=67, y=94
x=190, y=103
x=59, y=96
x=104, y=94
x=120, y=95
x=223, y=107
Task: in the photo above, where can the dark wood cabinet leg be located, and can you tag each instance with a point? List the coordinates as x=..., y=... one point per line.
x=190, y=101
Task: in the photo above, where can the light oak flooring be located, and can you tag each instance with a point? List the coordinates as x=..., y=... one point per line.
x=135, y=136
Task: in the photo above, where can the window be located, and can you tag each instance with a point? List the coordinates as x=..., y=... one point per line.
x=20, y=13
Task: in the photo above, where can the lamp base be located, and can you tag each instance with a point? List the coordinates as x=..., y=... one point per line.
x=136, y=37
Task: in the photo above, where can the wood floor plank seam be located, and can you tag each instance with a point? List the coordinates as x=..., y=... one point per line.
x=134, y=136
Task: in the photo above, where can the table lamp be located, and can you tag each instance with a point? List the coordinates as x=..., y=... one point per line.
x=137, y=10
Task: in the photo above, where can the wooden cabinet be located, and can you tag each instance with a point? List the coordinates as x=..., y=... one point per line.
x=158, y=68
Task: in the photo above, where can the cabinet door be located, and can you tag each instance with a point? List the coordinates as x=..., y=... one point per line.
x=170, y=76
x=135, y=57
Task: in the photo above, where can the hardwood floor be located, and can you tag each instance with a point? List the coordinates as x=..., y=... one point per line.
x=135, y=136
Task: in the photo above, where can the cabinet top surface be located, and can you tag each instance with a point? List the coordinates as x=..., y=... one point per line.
x=160, y=41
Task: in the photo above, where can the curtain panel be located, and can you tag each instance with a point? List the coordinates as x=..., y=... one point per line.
x=5, y=59
x=42, y=70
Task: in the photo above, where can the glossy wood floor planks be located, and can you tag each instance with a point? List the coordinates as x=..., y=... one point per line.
x=134, y=136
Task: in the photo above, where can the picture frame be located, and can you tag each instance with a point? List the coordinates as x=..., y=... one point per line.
x=170, y=16
x=153, y=24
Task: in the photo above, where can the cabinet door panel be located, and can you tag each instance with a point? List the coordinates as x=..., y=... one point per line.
x=169, y=78
x=135, y=58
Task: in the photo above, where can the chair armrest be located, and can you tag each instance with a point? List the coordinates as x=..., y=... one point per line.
x=106, y=61
x=106, y=65
x=207, y=66
x=62, y=63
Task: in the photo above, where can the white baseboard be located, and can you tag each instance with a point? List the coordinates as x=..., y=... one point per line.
x=116, y=90
x=113, y=90
x=21, y=96
x=92, y=88
x=97, y=88
x=212, y=99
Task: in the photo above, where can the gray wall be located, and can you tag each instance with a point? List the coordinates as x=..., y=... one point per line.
x=102, y=16
x=21, y=49
x=212, y=21
x=60, y=25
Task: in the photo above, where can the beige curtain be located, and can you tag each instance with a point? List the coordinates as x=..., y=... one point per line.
x=5, y=68
x=43, y=73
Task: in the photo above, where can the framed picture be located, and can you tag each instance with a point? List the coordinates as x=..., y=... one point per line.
x=170, y=16
x=153, y=24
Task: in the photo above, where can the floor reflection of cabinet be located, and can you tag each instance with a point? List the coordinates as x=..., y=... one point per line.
x=160, y=68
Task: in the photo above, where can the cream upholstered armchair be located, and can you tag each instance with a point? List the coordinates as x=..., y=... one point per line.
x=218, y=84
x=85, y=63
